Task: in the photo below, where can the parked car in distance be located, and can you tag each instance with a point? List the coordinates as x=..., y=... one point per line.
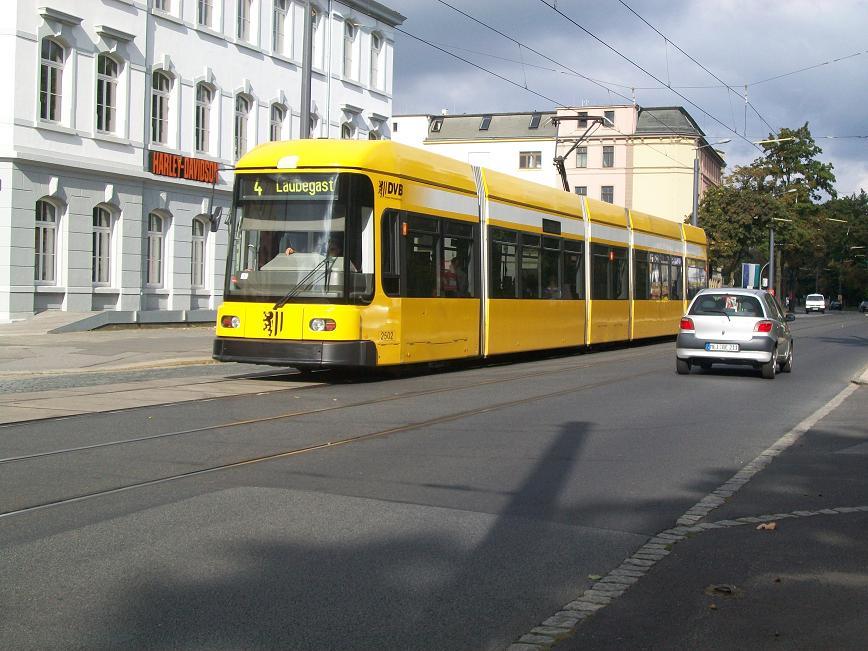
x=835, y=305
x=815, y=303
x=735, y=326
x=863, y=306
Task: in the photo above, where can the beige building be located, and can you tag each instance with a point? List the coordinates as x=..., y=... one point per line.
x=641, y=158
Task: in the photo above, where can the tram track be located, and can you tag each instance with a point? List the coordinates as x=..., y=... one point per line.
x=586, y=386
x=309, y=412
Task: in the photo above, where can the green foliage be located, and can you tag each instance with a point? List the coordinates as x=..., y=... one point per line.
x=789, y=189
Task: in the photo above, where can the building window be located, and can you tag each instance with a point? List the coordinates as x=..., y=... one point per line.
x=242, y=25
x=278, y=33
x=278, y=113
x=350, y=32
x=205, y=12
x=486, y=122
x=583, y=122
x=106, y=93
x=156, y=226
x=202, y=132
x=161, y=86
x=581, y=190
x=46, y=242
x=436, y=125
x=608, y=156
x=102, y=241
x=530, y=160
x=608, y=118
x=376, y=53
x=242, y=110
x=50, y=80
x=581, y=156
x=197, y=273
x=607, y=193
x=534, y=121
x=163, y=5
x=346, y=132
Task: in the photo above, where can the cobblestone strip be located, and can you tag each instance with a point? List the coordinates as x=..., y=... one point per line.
x=726, y=490
x=606, y=589
x=564, y=622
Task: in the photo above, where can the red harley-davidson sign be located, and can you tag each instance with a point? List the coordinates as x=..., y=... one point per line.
x=183, y=167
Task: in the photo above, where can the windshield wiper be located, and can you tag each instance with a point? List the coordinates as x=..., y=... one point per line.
x=303, y=283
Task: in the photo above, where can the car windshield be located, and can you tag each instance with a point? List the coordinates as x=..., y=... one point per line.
x=815, y=297
x=732, y=305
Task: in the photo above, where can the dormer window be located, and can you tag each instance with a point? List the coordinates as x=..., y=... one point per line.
x=534, y=121
x=436, y=125
x=486, y=122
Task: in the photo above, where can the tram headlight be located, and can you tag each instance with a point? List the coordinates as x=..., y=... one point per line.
x=322, y=325
x=229, y=321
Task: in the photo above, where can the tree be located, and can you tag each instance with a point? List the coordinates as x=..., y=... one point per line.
x=791, y=162
x=780, y=189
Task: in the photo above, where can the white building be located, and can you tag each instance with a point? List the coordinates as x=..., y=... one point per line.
x=521, y=144
x=119, y=114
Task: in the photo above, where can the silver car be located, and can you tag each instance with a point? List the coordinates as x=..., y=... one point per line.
x=735, y=326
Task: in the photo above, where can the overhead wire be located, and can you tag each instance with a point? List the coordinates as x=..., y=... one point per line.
x=677, y=47
x=529, y=90
x=557, y=63
x=650, y=74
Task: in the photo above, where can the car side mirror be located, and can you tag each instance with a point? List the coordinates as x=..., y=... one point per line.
x=790, y=317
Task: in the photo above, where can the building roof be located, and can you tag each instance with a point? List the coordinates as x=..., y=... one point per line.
x=497, y=126
x=376, y=10
x=661, y=120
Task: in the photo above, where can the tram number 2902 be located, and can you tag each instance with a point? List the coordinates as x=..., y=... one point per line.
x=387, y=335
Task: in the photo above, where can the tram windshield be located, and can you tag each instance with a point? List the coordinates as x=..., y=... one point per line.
x=300, y=237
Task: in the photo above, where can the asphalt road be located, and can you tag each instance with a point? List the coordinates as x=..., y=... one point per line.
x=453, y=510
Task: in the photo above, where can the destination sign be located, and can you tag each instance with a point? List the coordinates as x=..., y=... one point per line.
x=289, y=187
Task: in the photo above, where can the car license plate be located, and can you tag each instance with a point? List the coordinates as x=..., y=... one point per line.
x=726, y=348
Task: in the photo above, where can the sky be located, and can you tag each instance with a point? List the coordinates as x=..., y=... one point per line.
x=544, y=60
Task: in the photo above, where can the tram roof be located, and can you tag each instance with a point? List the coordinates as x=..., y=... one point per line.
x=641, y=221
x=503, y=187
x=694, y=234
x=383, y=156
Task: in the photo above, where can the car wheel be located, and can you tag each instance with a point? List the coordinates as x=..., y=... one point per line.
x=682, y=366
x=770, y=366
x=822, y=311
x=787, y=366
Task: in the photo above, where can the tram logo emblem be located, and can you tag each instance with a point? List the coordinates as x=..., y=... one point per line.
x=390, y=189
x=272, y=322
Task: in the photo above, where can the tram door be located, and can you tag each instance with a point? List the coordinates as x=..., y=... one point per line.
x=439, y=289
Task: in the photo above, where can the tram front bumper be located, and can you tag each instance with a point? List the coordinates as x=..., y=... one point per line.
x=296, y=353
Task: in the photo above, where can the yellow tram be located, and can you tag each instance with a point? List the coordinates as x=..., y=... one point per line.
x=371, y=253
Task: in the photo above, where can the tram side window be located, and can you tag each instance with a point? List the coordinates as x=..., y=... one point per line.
x=609, y=272
x=696, y=277
x=440, y=259
x=391, y=253
x=457, y=275
x=503, y=262
x=676, y=281
x=641, y=285
x=530, y=266
x=574, y=270
x=552, y=274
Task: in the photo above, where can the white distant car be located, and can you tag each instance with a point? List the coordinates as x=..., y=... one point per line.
x=815, y=303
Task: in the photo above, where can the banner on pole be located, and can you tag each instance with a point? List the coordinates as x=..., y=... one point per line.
x=750, y=275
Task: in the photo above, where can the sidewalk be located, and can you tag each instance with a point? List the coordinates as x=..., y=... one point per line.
x=30, y=356
x=781, y=564
x=27, y=348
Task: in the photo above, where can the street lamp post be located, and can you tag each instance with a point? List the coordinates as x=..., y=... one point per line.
x=695, y=215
